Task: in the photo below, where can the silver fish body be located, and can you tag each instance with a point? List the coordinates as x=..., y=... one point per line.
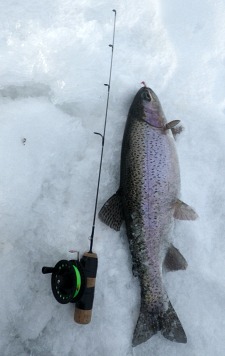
x=148, y=201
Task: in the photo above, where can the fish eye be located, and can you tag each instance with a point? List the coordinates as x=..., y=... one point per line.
x=146, y=96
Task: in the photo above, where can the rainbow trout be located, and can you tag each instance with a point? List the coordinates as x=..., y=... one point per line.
x=148, y=201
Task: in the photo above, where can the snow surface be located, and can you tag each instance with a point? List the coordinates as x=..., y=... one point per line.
x=54, y=58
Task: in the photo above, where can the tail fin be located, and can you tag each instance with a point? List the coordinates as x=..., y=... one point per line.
x=171, y=327
x=150, y=322
x=147, y=326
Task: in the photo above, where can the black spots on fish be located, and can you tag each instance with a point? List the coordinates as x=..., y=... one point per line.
x=147, y=326
x=136, y=110
x=147, y=269
x=153, y=320
x=149, y=168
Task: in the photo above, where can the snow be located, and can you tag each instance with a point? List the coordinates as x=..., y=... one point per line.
x=54, y=61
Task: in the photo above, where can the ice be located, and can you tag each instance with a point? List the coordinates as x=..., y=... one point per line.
x=54, y=61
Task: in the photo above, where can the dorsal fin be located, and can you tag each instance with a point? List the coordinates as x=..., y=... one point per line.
x=111, y=213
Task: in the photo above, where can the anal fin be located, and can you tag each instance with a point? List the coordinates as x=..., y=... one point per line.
x=174, y=260
x=112, y=213
x=183, y=211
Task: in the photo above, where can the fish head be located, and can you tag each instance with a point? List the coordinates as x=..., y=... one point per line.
x=146, y=106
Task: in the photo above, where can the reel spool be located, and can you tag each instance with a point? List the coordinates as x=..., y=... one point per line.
x=68, y=281
x=74, y=282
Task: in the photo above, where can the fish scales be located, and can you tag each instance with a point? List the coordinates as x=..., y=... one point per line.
x=148, y=199
x=150, y=183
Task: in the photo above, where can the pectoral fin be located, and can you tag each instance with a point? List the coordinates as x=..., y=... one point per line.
x=177, y=130
x=183, y=211
x=174, y=260
x=111, y=213
x=170, y=125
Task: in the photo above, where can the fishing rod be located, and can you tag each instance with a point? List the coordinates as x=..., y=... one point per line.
x=74, y=280
x=103, y=135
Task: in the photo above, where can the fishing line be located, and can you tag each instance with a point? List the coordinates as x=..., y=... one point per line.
x=103, y=135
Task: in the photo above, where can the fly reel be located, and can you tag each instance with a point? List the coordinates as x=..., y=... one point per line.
x=74, y=282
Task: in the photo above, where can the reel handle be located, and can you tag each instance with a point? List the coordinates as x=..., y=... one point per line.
x=46, y=270
x=83, y=308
